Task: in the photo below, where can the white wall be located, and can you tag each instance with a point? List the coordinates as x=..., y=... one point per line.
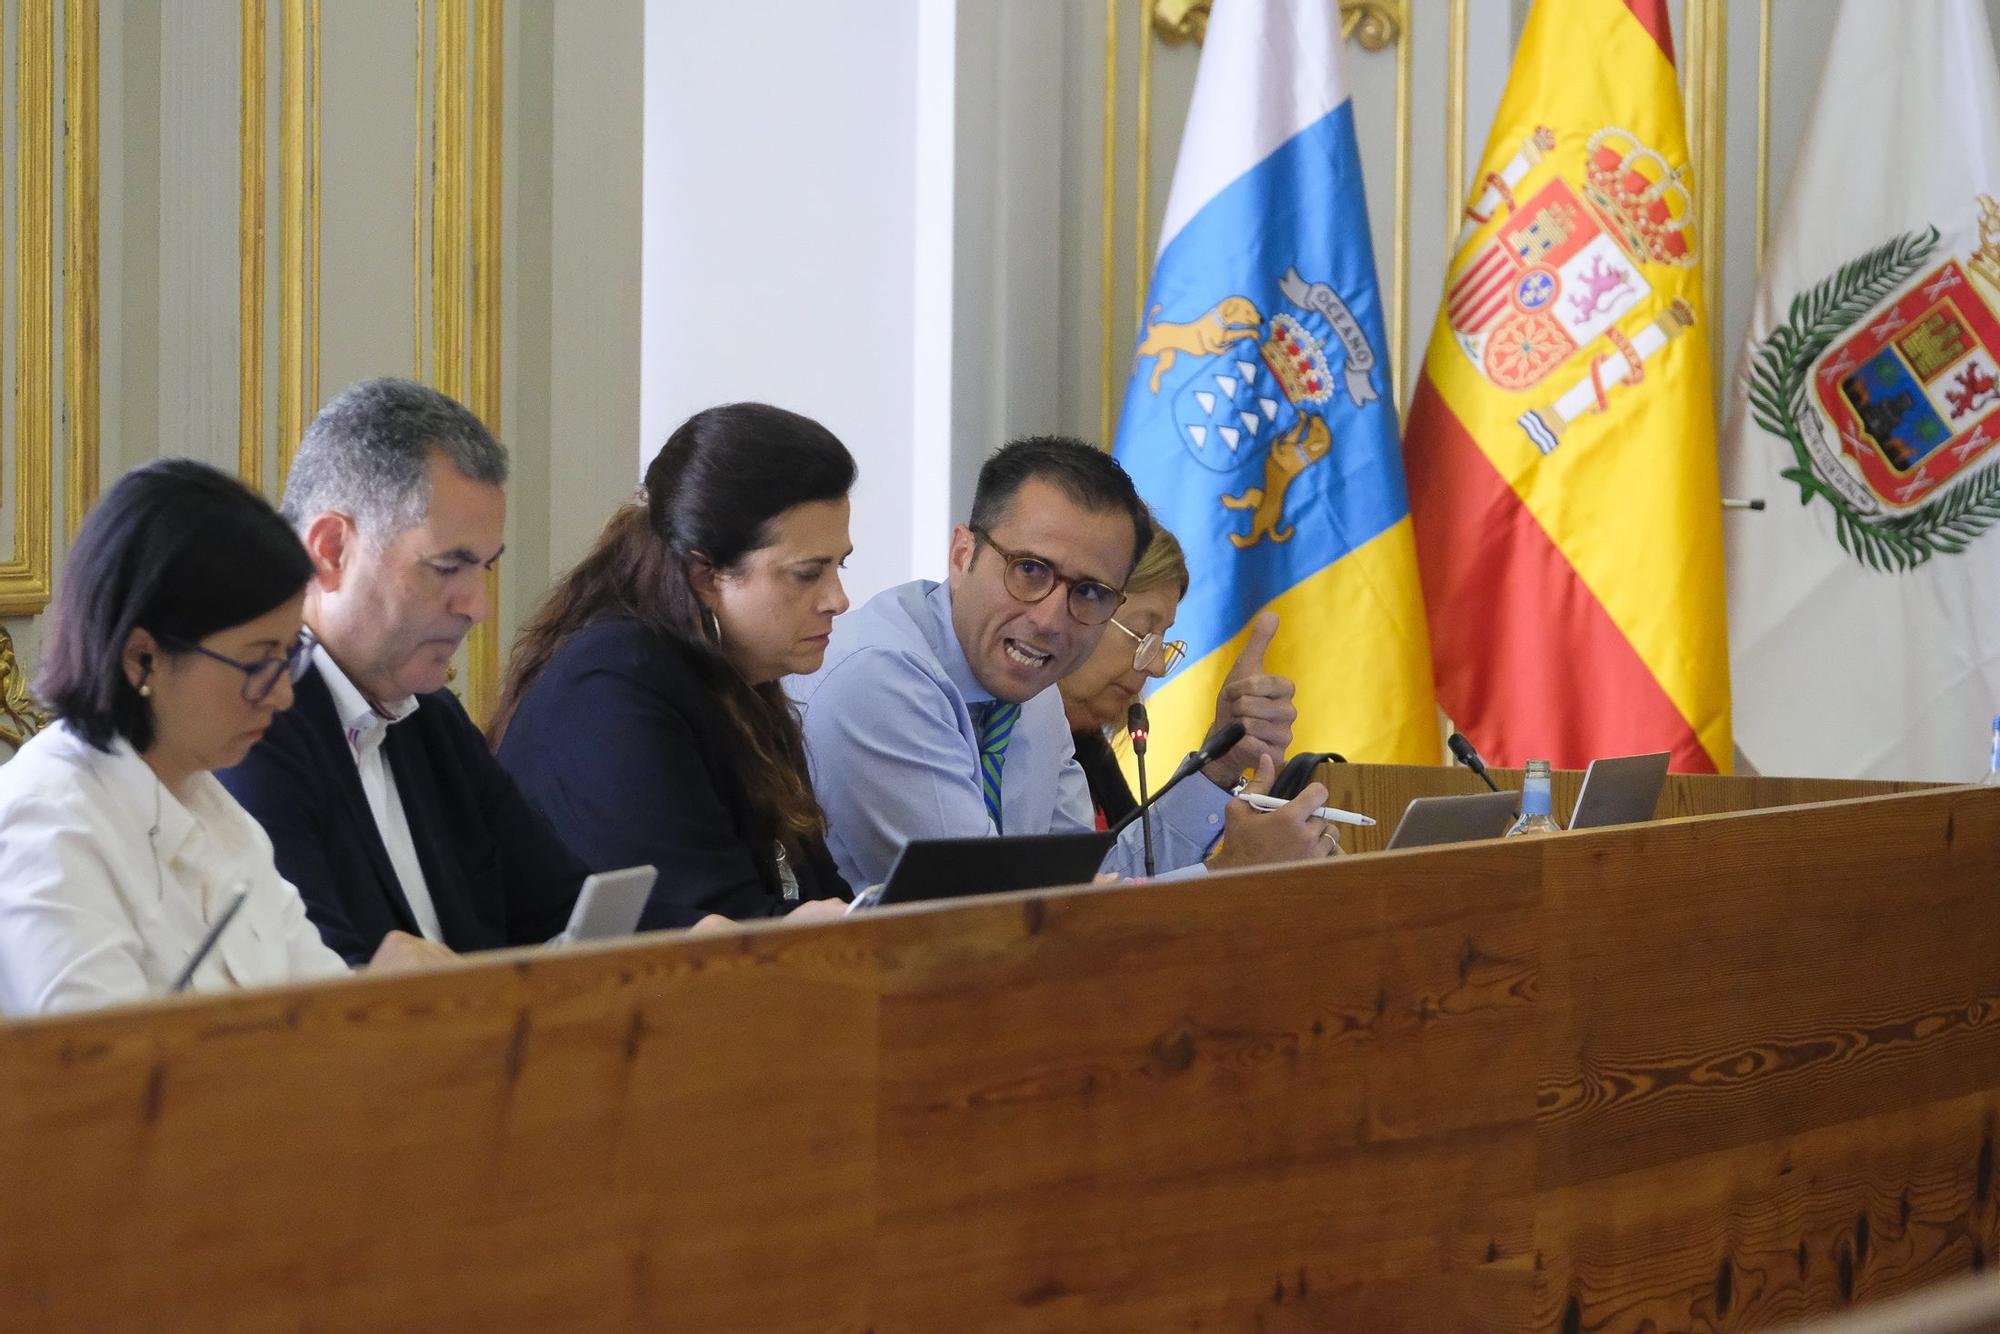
x=783, y=213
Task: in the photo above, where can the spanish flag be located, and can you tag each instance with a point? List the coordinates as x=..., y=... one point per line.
x=1561, y=443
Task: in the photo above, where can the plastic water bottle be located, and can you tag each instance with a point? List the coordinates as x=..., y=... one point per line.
x=1992, y=778
x=1537, y=803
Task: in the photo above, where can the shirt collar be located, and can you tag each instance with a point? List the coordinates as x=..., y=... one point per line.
x=358, y=717
x=139, y=790
x=951, y=654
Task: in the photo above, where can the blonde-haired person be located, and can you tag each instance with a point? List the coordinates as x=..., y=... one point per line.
x=1097, y=694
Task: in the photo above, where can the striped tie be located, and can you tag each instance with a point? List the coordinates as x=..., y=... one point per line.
x=995, y=729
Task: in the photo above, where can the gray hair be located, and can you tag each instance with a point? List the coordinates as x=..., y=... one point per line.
x=368, y=451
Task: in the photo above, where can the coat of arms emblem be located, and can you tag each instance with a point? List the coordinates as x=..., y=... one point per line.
x=1885, y=380
x=1562, y=267
x=1254, y=389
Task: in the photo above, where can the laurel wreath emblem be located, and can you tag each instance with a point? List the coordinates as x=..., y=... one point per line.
x=1778, y=376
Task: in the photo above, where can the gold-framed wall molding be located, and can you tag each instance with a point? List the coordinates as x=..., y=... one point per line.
x=1108, y=246
x=82, y=324
x=1763, y=129
x=25, y=576
x=456, y=278
x=483, y=278
x=20, y=716
x=1371, y=25
x=291, y=230
x=250, y=257
x=298, y=240
x=467, y=41
x=1457, y=23
x=1704, y=87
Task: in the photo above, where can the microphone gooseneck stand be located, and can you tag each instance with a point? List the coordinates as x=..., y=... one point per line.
x=1137, y=728
x=1462, y=751
x=1213, y=749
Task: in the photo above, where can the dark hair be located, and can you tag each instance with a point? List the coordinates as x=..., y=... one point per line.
x=710, y=496
x=178, y=549
x=367, y=454
x=1080, y=470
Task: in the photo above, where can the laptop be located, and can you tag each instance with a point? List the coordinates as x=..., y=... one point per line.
x=609, y=905
x=1624, y=790
x=1430, y=821
x=950, y=868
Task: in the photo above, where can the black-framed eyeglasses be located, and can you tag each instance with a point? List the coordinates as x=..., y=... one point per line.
x=1149, y=649
x=260, y=678
x=1030, y=578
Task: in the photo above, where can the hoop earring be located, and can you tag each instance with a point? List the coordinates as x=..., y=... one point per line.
x=714, y=627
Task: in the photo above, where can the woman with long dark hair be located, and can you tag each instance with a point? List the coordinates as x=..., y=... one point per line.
x=175, y=642
x=643, y=712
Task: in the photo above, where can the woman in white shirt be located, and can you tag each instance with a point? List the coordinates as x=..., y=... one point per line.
x=175, y=641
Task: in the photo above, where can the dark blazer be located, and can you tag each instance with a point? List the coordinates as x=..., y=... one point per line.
x=496, y=872
x=620, y=744
x=1109, y=792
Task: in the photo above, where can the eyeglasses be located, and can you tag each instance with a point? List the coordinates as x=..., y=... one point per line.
x=1030, y=578
x=260, y=678
x=1150, y=649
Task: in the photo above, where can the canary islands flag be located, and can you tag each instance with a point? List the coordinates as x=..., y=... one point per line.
x=1259, y=422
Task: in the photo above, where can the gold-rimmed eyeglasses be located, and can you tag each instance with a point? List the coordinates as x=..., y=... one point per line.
x=1150, y=650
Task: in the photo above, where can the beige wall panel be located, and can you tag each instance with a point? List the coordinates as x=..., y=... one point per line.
x=1008, y=242
x=594, y=261
x=368, y=143
x=193, y=340
x=1078, y=315
x=527, y=216
x=172, y=247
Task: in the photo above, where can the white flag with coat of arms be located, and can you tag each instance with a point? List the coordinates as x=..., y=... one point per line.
x=1864, y=601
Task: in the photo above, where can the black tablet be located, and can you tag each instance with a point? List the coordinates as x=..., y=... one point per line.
x=949, y=868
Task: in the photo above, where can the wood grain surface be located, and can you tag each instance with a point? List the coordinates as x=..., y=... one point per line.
x=1714, y=1073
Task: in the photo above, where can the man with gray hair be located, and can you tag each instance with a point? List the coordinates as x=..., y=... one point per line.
x=384, y=806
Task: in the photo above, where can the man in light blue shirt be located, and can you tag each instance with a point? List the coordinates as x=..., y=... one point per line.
x=935, y=713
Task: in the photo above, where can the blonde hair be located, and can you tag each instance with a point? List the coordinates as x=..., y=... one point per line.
x=1162, y=563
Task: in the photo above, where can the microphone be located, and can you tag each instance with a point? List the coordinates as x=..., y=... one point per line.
x=1137, y=728
x=1462, y=751
x=1212, y=750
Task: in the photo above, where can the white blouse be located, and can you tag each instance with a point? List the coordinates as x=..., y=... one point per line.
x=108, y=884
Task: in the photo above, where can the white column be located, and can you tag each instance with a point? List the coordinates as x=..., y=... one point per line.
x=797, y=242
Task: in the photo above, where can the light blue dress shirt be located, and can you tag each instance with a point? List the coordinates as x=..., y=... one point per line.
x=894, y=751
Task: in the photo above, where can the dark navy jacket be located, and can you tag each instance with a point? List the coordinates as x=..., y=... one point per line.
x=626, y=751
x=497, y=874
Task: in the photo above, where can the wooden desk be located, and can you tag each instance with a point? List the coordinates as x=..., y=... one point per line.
x=1384, y=790
x=1715, y=1072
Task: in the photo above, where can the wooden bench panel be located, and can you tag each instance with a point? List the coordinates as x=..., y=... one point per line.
x=1561, y=1083
x=1247, y=1086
